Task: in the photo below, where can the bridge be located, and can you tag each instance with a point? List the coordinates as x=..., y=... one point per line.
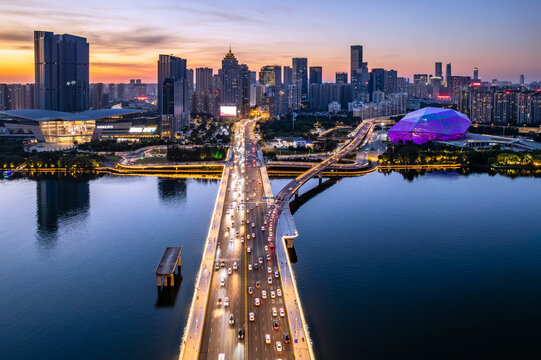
x=245, y=302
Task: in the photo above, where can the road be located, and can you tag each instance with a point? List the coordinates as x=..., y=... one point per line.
x=245, y=212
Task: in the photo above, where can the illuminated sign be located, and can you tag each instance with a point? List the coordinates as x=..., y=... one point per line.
x=477, y=83
x=136, y=129
x=228, y=110
x=150, y=129
x=105, y=127
x=444, y=97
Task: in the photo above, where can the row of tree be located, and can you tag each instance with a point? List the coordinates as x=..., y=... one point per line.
x=177, y=153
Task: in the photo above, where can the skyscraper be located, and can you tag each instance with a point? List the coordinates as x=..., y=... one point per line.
x=270, y=75
x=356, y=58
x=300, y=78
x=235, y=82
x=341, y=77
x=288, y=76
x=448, y=73
x=316, y=75
x=522, y=79
x=475, y=74
x=174, y=90
x=359, y=71
x=438, y=71
x=203, y=79
x=61, y=72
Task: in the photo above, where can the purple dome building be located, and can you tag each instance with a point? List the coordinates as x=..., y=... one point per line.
x=429, y=124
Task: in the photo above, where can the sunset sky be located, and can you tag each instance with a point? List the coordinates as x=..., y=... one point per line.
x=500, y=37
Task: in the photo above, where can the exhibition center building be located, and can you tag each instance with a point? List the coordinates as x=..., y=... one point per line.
x=62, y=128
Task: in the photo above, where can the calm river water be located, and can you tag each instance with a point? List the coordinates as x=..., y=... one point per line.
x=441, y=266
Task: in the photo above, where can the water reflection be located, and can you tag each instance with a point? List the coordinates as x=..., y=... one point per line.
x=59, y=199
x=172, y=189
x=167, y=295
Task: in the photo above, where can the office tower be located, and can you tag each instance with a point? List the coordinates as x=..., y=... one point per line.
x=300, y=78
x=174, y=95
x=270, y=75
x=231, y=79
x=438, y=71
x=522, y=79
x=288, y=76
x=341, y=78
x=391, y=82
x=448, y=72
x=376, y=81
x=316, y=75
x=475, y=74
x=420, y=82
x=203, y=79
x=359, y=71
x=99, y=99
x=61, y=72
x=356, y=58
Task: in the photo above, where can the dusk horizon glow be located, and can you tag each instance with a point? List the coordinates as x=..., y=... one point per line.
x=125, y=40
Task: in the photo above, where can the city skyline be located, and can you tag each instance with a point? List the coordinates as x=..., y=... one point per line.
x=127, y=40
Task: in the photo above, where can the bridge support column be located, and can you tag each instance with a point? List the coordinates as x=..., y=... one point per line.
x=296, y=194
x=320, y=178
x=289, y=242
x=172, y=280
x=159, y=281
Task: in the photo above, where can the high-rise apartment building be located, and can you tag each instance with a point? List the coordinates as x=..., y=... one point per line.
x=521, y=79
x=316, y=75
x=61, y=72
x=438, y=70
x=203, y=79
x=420, y=83
x=475, y=74
x=300, y=78
x=288, y=76
x=359, y=71
x=341, y=77
x=448, y=72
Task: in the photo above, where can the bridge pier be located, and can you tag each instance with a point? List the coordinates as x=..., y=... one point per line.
x=320, y=178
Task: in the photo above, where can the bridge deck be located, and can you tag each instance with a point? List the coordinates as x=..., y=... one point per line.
x=169, y=261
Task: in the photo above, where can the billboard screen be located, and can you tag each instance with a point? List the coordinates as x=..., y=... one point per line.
x=228, y=110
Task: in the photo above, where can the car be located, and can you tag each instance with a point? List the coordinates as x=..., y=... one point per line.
x=271, y=245
x=257, y=302
x=226, y=302
x=235, y=266
x=247, y=236
x=269, y=269
x=265, y=222
x=256, y=204
x=248, y=250
x=221, y=356
x=228, y=228
x=249, y=266
x=275, y=324
x=230, y=271
x=217, y=266
x=242, y=239
x=247, y=220
x=287, y=339
x=240, y=333
x=231, y=319
x=290, y=189
x=253, y=225
x=278, y=346
x=263, y=228
x=266, y=248
x=247, y=212
x=268, y=257
x=223, y=263
x=267, y=338
x=219, y=303
x=282, y=312
x=264, y=294
x=253, y=235
x=251, y=316
x=276, y=274
x=269, y=280
x=260, y=260
x=222, y=282
x=250, y=290
x=274, y=312
x=273, y=294
x=256, y=266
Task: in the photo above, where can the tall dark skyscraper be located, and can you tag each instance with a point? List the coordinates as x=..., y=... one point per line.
x=316, y=75
x=300, y=78
x=359, y=71
x=448, y=72
x=438, y=71
x=521, y=79
x=475, y=73
x=61, y=72
x=235, y=82
x=174, y=90
x=341, y=77
x=288, y=76
x=377, y=80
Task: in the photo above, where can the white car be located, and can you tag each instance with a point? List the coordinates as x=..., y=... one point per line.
x=282, y=312
x=279, y=292
x=269, y=269
x=222, y=282
x=249, y=266
x=231, y=319
x=236, y=267
x=278, y=346
x=229, y=271
x=267, y=338
x=273, y=294
x=248, y=250
x=274, y=312
x=264, y=294
x=266, y=248
x=253, y=235
x=226, y=302
x=253, y=225
x=252, y=316
x=276, y=275
x=257, y=302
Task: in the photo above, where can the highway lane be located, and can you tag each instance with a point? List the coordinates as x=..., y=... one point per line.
x=219, y=336
x=264, y=318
